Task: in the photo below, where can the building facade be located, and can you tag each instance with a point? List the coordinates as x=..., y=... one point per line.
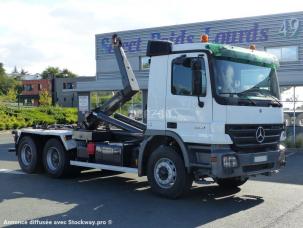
x=31, y=90
x=279, y=34
x=65, y=94
x=61, y=90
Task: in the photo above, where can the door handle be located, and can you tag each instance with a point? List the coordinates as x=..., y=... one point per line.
x=172, y=125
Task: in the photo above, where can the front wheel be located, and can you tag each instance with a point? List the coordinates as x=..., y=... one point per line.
x=233, y=182
x=167, y=174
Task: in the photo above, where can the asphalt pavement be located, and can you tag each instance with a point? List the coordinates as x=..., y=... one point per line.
x=124, y=200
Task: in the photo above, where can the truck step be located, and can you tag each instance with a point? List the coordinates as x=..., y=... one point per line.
x=103, y=166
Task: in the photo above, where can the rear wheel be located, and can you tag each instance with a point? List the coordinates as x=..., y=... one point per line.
x=167, y=174
x=55, y=159
x=27, y=155
x=231, y=182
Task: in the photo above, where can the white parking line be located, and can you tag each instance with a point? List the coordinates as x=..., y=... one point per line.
x=11, y=171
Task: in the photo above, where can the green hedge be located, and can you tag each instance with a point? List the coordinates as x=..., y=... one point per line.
x=13, y=118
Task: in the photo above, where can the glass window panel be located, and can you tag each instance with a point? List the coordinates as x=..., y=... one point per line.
x=289, y=53
x=299, y=119
x=284, y=54
x=144, y=63
x=275, y=51
x=288, y=106
x=287, y=119
x=299, y=106
x=182, y=80
x=287, y=93
x=182, y=76
x=299, y=93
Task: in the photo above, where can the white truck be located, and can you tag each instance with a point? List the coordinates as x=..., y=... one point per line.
x=213, y=111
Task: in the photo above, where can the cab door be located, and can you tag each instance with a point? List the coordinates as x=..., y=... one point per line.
x=189, y=114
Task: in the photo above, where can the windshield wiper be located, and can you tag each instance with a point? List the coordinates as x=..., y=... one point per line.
x=241, y=97
x=248, y=99
x=276, y=100
x=260, y=91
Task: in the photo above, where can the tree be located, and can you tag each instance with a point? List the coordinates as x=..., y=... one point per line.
x=2, y=70
x=51, y=72
x=23, y=72
x=45, y=98
x=6, y=82
x=65, y=73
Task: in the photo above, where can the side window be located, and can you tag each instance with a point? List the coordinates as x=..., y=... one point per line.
x=185, y=75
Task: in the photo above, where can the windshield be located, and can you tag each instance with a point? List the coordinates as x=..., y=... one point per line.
x=237, y=80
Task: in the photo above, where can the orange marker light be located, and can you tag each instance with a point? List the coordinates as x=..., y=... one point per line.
x=252, y=47
x=204, y=38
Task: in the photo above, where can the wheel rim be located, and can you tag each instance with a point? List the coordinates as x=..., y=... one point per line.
x=53, y=158
x=26, y=155
x=165, y=173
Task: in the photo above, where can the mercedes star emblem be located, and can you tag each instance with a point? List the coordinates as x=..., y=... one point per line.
x=260, y=134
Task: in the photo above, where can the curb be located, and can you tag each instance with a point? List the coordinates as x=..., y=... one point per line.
x=5, y=132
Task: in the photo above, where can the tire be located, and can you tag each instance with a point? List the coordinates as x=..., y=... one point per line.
x=55, y=159
x=230, y=183
x=27, y=153
x=166, y=173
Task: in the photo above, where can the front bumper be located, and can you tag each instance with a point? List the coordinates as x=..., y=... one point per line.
x=249, y=164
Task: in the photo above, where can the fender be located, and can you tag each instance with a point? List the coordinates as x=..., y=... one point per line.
x=68, y=144
x=153, y=133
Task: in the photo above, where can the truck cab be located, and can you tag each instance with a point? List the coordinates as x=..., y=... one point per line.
x=222, y=103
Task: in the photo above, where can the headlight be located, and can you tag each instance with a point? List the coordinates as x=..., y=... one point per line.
x=281, y=147
x=283, y=136
x=230, y=161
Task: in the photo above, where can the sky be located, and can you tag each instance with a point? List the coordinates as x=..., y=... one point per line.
x=35, y=34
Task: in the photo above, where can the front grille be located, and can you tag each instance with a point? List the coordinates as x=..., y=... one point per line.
x=245, y=140
x=253, y=168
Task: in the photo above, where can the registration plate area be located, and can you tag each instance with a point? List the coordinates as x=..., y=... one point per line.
x=258, y=158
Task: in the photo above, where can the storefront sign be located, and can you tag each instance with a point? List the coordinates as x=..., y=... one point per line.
x=250, y=35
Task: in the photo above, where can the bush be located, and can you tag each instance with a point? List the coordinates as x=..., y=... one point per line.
x=289, y=143
x=299, y=141
x=15, y=125
x=8, y=125
x=26, y=117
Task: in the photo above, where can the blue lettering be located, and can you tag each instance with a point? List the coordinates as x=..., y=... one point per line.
x=181, y=37
x=264, y=36
x=220, y=38
x=228, y=37
x=172, y=35
x=138, y=44
x=190, y=39
x=106, y=45
x=251, y=35
x=241, y=36
x=207, y=31
x=254, y=34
